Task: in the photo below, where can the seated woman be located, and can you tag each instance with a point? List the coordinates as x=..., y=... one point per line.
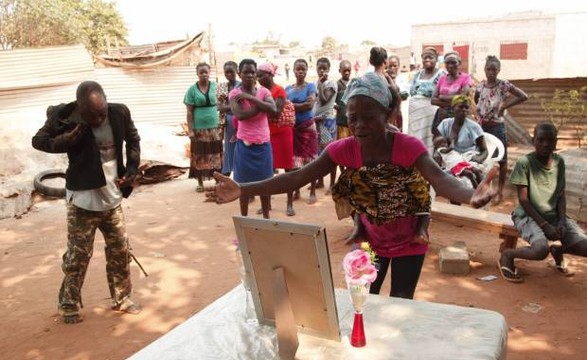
x=463, y=134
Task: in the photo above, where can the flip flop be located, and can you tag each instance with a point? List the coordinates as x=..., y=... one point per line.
x=72, y=319
x=128, y=306
x=509, y=274
x=560, y=265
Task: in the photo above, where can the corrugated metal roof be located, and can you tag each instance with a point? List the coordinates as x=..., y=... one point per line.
x=32, y=79
x=529, y=113
x=153, y=96
x=27, y=68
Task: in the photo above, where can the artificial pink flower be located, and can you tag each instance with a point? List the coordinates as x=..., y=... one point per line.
x=358, y=267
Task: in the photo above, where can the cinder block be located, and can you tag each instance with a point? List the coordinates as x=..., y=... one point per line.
x=454, y=259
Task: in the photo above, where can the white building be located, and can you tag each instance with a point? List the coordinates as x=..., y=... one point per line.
x=529, y=44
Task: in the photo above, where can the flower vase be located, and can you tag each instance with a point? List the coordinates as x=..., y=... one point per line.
x=358, y=292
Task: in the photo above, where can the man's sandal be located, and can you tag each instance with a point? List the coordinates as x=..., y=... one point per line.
x=128, y=306
x=509, y=274
x=560, y=265
x=72, y=319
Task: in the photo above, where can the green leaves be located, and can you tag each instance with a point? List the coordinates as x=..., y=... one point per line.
x=568, y=108
x=37, y=23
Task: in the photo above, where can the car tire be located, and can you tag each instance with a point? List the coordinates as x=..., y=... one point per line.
x=46, y=189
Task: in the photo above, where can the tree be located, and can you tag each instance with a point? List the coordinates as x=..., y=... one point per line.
x=104, y=24
x=568, y=108
x=329, y=45
x=36, y=23
x=368, y=43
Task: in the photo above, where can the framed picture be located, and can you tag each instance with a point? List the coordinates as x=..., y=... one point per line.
x=301, y=251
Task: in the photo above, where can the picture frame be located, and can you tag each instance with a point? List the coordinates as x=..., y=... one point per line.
x=301, y=250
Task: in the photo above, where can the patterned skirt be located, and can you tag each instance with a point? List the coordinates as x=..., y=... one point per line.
x=206, y=153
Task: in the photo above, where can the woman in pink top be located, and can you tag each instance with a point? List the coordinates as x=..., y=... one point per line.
x=252, y=152
x=454, y=83
x=384, y=181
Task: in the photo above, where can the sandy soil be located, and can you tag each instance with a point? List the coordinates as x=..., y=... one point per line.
x=185, y=245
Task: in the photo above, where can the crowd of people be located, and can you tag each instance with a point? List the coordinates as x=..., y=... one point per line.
x=242, y=132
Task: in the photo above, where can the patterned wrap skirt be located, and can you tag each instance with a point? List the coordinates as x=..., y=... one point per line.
x=206, y=153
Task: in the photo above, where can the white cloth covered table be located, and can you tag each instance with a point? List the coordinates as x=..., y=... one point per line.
x=395, y=329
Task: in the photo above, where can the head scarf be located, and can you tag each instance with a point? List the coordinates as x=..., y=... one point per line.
x=459, y=99
x=371, y=85
x=430, y=50
x=454, y=55
x=268, y=67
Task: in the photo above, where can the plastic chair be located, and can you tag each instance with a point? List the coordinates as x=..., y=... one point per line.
x=495, y=149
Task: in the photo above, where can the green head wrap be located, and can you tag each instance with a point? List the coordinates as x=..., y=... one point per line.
x=371, y=85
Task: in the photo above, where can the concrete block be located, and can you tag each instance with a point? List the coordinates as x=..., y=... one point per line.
x=15, y=199
x=454, y=259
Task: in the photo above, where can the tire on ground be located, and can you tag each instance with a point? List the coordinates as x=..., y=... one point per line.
x=46, y=189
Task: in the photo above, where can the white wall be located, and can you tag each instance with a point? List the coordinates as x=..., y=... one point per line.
x=550, y=38
x=570, y=47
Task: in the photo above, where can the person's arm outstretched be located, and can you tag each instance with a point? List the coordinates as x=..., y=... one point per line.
x=449, y=187
x=227, y=190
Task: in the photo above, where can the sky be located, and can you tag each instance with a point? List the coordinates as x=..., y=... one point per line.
x=309, y=21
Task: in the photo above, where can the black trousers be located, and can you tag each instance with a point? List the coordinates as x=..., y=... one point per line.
x=405, y=272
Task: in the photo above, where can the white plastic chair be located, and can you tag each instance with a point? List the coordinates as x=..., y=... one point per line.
x=493, y=144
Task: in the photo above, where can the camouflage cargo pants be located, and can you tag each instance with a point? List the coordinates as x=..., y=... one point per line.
x=81, y=231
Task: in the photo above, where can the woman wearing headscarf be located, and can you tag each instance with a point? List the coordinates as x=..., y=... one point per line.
x=453, y=83
x=281, y=133
x=463, y=134
x=385, y=181
x=420, y=110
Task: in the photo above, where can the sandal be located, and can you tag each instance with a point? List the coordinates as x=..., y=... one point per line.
x=72, y=318
x=200, y=188
x=128, y=306
x=497, y=199
x=560, y=265
x=260, y=211
x=509, y=274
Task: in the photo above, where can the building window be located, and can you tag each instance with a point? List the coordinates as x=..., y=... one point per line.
x=513, y=51
x=439, y=48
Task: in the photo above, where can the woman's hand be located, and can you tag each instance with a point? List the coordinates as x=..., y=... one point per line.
x=484, y=192
x=422, y=239
x=225, y=190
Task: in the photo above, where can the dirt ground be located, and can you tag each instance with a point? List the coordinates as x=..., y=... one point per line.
x=186, y=247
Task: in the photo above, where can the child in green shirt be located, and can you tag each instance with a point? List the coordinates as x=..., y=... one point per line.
x=541, y=216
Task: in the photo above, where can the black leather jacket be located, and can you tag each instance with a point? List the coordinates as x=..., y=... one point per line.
x=85, y=167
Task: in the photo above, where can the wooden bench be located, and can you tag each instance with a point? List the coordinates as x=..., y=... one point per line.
x=470, y=218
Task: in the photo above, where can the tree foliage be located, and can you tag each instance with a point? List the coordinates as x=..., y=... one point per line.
x=568, y=108
x=329, y=45
x=368, y=43
x=37, y=23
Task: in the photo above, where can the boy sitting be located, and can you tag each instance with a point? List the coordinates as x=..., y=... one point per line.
x=540, y=216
